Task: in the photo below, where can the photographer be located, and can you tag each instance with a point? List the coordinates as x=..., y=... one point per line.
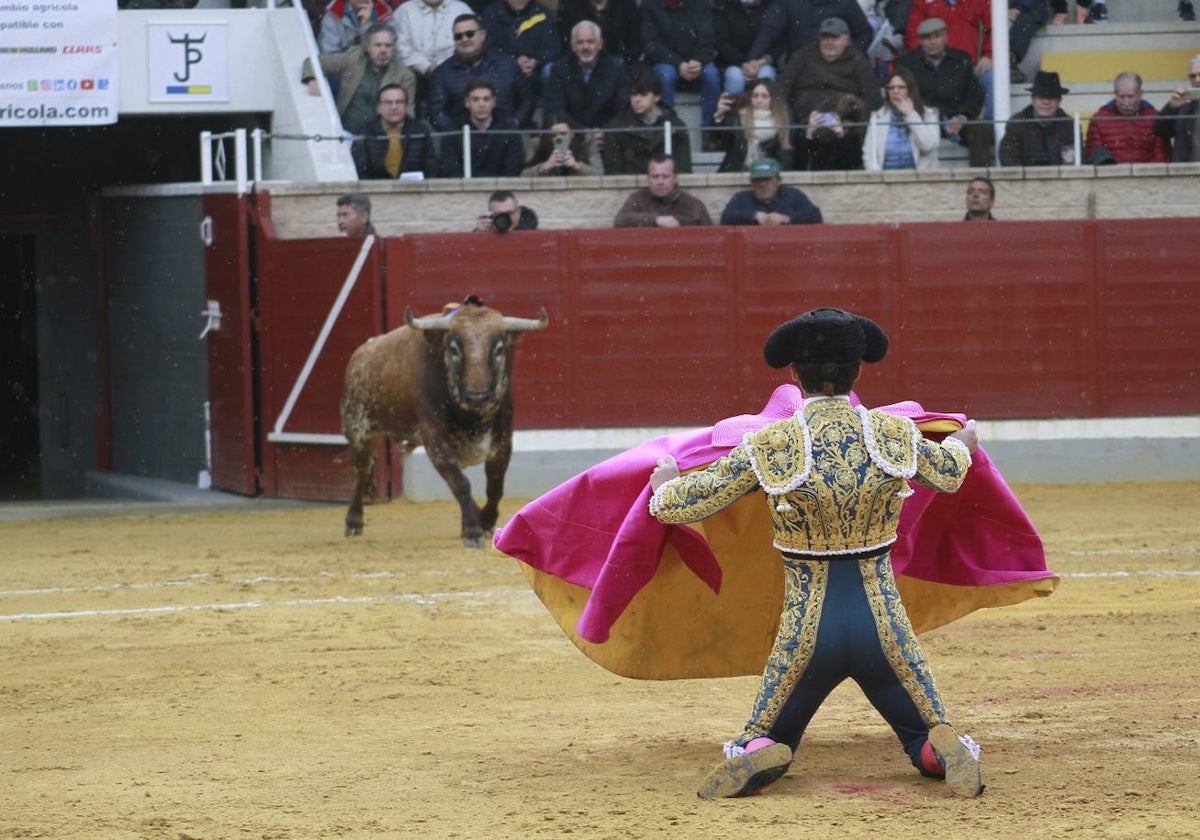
x=562, y=152
x=504, y=214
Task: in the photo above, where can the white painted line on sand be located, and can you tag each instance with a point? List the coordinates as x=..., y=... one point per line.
x=205, y=579
x=422, y=599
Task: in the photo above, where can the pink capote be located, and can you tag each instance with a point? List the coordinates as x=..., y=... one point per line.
x=596, y=531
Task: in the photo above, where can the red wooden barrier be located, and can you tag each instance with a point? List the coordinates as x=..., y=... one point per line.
x=665, y=328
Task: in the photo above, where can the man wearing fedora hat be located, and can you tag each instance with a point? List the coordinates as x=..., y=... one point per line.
x=769, y=201
x=1040, y=134
x=835, y=477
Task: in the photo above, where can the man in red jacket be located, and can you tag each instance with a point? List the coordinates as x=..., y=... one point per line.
x=1122, y=131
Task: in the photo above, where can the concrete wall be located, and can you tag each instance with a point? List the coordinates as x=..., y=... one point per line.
x=1145, y=190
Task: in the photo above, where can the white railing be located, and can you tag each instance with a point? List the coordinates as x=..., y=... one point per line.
x=214, y=157
x=248, y=155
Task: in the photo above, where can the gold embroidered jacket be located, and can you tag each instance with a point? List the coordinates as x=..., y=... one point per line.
x=836, y=475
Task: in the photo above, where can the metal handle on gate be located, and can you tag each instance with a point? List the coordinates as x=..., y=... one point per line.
x=213, y=314
x=206, y=231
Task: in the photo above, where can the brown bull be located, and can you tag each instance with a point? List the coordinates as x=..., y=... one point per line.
x=441, y=381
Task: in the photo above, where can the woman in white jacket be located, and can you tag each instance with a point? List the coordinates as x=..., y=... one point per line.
x=903, y=134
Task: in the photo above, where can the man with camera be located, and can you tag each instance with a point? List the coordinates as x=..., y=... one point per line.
x=1178, y=119
x=504, y=214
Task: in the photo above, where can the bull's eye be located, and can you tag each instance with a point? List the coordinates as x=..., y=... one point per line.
x=498, y=350
x=455, y=349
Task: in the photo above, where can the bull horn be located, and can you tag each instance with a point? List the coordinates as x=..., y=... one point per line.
x=527, y=324
x=430, y=322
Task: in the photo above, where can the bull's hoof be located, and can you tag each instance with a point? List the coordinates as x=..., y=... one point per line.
x=480, y=541
x=353, y=530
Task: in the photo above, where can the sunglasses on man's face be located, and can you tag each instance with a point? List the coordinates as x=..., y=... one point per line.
x=462, y=36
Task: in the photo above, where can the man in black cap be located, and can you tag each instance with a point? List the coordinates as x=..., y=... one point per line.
x=835, y=476
x=1042, y=133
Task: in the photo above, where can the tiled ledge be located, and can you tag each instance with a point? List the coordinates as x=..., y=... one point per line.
x=304, y=210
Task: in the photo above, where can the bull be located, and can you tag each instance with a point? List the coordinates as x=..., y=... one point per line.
x=444, y=382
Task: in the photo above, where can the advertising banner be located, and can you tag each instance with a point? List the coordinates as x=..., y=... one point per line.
x=58, y=62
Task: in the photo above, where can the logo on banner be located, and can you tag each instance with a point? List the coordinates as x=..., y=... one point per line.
x=188, y=63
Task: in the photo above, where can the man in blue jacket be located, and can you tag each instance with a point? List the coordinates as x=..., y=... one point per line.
x=472, y=59
x=768, y=201
x=525, y=30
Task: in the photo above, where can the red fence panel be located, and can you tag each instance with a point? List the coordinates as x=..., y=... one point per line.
x=299, y=283
x=227, y=273
x=1148, y=302
x=1004, y=322
x=665, y=327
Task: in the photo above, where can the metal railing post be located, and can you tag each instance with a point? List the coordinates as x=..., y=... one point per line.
x=667, y=146
x=206, y=157
x=1077, y=129
x=257, y=156
x=466, y=151
x=239, y=164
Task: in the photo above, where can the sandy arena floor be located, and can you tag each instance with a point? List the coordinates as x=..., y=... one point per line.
x=256, y=675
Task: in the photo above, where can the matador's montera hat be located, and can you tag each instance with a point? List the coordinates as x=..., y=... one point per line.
x=825, y=335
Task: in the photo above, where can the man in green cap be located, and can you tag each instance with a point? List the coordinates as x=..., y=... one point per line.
x=835, y=477
x=768, y=201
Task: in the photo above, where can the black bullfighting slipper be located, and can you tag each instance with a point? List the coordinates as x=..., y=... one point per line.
x=742, y=775
x=960, y=762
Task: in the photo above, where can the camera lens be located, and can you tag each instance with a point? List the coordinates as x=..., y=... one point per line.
x=501, y=222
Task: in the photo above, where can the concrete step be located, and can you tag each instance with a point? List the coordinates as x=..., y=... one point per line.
x=1088, y=57
x=1138, y=11
x=1158, y=51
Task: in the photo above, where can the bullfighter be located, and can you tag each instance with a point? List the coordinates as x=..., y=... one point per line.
x=836, y=477
x=656, y=601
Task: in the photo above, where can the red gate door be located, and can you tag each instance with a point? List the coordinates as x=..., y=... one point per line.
x=230, y=368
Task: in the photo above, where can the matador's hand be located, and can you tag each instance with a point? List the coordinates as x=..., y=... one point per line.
x=967, y=435
x=664, y=472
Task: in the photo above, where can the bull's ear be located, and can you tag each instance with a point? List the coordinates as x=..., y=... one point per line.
x=527, y=324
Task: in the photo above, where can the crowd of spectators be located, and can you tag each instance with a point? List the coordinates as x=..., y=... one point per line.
x=584, y=87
